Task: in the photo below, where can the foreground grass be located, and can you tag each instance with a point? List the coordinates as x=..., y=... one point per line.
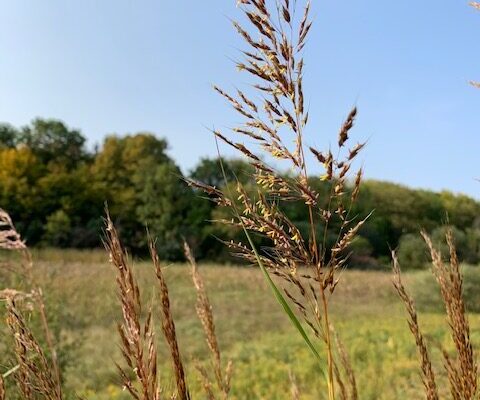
x=252, y=329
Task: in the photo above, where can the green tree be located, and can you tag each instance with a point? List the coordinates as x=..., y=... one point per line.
x=19, y=171
x=58, y=229
x=168, y=207
x=143, y=186
x=209, y=171
x=43, y=170
x=8, y=136
x=412, y=251
x=460, y=238
x=52, y=141
x=460, y=210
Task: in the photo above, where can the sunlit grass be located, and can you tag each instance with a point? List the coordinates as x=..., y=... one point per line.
x=252, y=330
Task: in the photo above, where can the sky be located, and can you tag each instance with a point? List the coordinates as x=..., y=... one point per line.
x=118, y=66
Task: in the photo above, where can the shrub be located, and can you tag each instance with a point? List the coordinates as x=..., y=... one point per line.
x=412, y=251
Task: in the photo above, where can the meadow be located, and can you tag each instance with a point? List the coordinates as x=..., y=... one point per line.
x=312, y=311
x=253, y=331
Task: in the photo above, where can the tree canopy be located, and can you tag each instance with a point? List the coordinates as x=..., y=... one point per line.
x=56, y=190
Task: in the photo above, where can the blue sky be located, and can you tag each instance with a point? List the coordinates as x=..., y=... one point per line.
x=118, y=66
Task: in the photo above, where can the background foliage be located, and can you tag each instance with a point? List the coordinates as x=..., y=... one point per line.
x=55, y=189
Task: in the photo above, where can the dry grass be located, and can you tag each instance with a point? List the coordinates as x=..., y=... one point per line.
x=2, y=388
x=205, y=314
x=137, y=339
x=306, y=265
x=261, y=344
x=461, y=368
x=35, y=374
x=462, y=371
x=168, y=326
x=274, y=60
x=428, y=376
x=46, y=377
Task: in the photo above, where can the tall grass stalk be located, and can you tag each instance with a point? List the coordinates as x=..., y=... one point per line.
x=461, y=367
x=137, y=339
x=11, y=240
x=205, y=314
x=274, y=121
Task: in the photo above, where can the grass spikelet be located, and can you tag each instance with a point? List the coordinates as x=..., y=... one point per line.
x=2, y=388
x=137, y=339
x=348, y=369
x=347, y=125
x=275, y=122
x=168, y=326
x=427, y=373
x=11, y=240
x=205, y=314
x=462, y=371
x=35, y=376
x=294, y=389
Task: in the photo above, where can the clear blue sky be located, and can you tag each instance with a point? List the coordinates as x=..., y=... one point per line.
x=117, y=66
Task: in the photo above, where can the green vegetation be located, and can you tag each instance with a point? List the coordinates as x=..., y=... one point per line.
x=252, y=329
x=55, y=190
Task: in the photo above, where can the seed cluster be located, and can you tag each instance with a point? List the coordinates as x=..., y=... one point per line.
x=274, y=118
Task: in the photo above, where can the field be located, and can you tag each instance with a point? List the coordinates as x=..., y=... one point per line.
x=252, y=329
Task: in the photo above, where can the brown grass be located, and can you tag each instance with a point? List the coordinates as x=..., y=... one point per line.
x=273, y=118
x=462, y=371
x=137, y=338
x=11, y=240
x=2, y=388
x=461, y=368
x=35, y=374
x=205, y=314
x=168, y=326
x=428, y=376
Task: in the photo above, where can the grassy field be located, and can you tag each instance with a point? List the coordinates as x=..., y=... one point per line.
x=252, y=329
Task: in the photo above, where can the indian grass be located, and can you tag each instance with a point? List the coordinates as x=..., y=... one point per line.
x=461, y=366
x=428, y=376
x=47, y=377
x=205, y=314
x=307, y=267
x=273, y=118
x=168, y=326
x=137, y=339
x=35, y=374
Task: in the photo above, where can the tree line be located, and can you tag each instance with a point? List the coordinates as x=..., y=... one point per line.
x=56, y=190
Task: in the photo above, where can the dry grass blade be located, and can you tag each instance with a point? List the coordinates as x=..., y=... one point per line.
x=428, y=376
x=347, y=125
x=2, y=388
x=294, y=389
x=462, y=371
x=137, y=339
x=35, y=373
x=347, y=367
x=475, y=84
x=168, y=326
x=206, y=381
x=205, y=314
x=11, y=240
